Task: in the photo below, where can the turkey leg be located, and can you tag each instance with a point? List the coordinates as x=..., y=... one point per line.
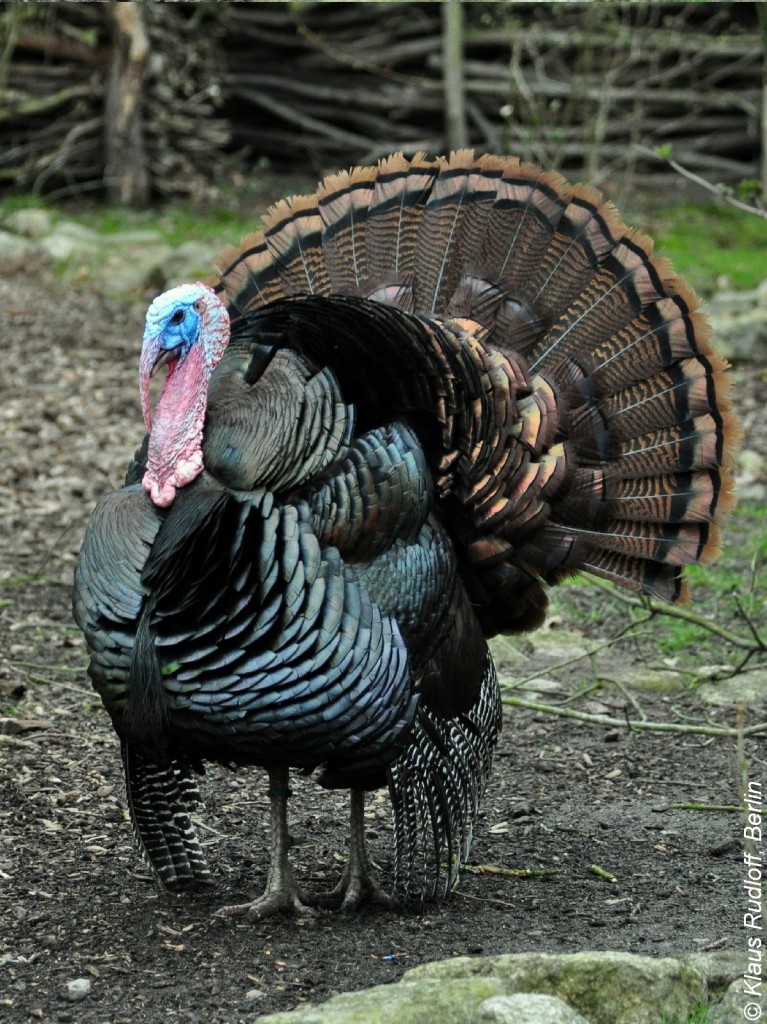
x=282, y=894
x=357, y=884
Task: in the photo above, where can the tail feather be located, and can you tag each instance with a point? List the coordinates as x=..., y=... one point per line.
x=436, y=786
x=344, y=204
x=294, y=241
x=401, y=191
x=160, y=800
x=586, y=233
x=528, y=207
x=654, y=579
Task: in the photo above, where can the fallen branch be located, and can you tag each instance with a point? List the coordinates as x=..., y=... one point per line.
x=706, y=807
x=497, y=869
x=630, y=723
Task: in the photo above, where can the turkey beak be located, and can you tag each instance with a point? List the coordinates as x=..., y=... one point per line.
x=165, y=357
x=153, y=358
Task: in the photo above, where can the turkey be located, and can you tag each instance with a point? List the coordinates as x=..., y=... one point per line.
x=417, y=399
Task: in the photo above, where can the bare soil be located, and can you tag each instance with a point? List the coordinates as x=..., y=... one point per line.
x=77, y=903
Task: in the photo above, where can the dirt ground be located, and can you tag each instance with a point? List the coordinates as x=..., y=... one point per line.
x=78, y=903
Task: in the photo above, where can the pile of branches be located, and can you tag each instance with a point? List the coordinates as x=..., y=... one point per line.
x=586, y=87
x=53, y=81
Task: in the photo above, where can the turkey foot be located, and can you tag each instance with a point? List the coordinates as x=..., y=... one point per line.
x=357, y=884
x=282, y=893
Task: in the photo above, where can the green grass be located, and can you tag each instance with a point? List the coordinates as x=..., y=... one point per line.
x=701, y=1014
x=709, y=242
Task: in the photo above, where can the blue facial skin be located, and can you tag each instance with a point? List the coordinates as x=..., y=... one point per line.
x=172, y=326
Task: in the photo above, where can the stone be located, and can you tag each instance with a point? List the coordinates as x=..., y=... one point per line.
x=741, y=335
x=78, y=989
x=751, y=477
x=752, y=465
x=735, y=1006
x=527, y=1008
x=71, y=241
x=719, y=967
x=653, y=680
x=32, y=223
x=137, y=267
x=746, y=687
x=192, y=261
x=16, y=253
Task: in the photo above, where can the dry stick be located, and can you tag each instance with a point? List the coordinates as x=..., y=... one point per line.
x=705, y=807
x=704, y=183
x=629, y=723
x=57, y=684
x=620, y=635
x=498, y=869
x=359, y=63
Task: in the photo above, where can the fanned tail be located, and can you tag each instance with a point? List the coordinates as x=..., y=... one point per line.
x=436, y=786
x=582, y=415
x=160, y=800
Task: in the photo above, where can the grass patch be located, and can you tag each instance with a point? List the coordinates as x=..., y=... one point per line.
x=711, y=241
x=701, y=1014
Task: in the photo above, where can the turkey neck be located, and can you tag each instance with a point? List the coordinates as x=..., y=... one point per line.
x=175, y=443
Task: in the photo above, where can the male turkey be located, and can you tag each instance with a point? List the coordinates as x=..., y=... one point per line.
x=414, y=400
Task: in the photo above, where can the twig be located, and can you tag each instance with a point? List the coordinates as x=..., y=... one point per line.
x=497, y=869
x=58, y=684
x=677, y=612
x=706, y=807
x=484, y=899
x=760, y=643
x=593, y=719
x=627, y=696
x=595, y=869
x=709, y=186
x=61, y=669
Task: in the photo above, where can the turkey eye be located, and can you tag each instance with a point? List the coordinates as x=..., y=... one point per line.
x=177, y=317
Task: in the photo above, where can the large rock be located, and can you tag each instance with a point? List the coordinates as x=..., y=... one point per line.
x=736, y=1006
x=604, y=987
x=191, y=261
x=134, y=265
x=71, y=241
x=583, y=988
x=746, y=687
x=427, y=1001
x=739, y=320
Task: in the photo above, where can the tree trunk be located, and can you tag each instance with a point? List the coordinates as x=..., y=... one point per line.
x=762, y=15
x=452, y=62
x=125, y=175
